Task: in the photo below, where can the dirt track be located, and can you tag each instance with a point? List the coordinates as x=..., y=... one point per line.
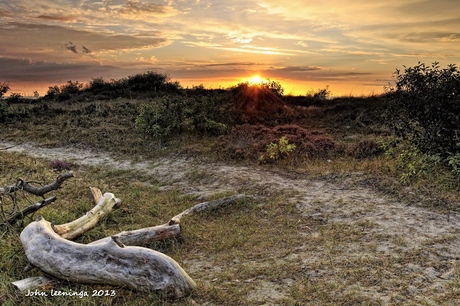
x=389, y=230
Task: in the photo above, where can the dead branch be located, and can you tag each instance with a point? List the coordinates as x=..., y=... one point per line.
x=145, y=236
x=6, y=148
x=206, y=206
x=38, y=191
x=104, y=205
x=30, y=210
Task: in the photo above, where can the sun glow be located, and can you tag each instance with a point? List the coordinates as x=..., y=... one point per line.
x=255, y=80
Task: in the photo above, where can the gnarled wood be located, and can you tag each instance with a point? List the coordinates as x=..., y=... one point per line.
x=105, y=204
x=207, y=206
x=137, y=268
x=57, y=256
x=38, y=191
x=144, y=236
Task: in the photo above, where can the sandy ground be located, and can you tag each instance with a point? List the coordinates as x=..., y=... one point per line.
x=390, y=229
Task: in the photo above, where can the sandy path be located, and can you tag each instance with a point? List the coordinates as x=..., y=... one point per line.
x=390, y=229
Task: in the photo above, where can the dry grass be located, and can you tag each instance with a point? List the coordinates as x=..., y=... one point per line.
x=252, y=253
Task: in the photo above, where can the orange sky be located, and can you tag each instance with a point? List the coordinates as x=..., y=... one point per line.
x=351, y=46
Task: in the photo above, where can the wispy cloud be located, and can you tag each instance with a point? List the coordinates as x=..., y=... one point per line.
x=358, y=41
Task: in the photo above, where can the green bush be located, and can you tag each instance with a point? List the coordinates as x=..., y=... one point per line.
x=175, y=114
x=4, y=113
x=425, y=108
x=162, y=118
x=278, y=150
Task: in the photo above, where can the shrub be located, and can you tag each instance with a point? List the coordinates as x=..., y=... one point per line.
x=250, y=141
x=15, y=98
x=4, y=113
x=425, y=108
x=321, y=94
x=364, y=148
x=64, y=92
x=258, y=104
x=278, y=150
x=59, y=165
x=4, y=87
x=174, y=114
x=162, y=118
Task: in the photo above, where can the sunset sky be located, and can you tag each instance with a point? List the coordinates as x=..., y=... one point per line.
x=353, y=46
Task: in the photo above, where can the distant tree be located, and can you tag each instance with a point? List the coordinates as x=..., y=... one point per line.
x=3, y=89
x=15, y=98
x=3, y=103
x=320, y=94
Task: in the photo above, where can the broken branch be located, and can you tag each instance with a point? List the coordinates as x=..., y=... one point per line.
x=77, y=227
x=30, y=209
x=38, y=191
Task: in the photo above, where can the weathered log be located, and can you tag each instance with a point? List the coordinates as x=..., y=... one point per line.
x=38, y=191
x=35, y=282
x=137, y=268
x=105, y=204
x=207, y=206
x=144, y=236
x=138, y=237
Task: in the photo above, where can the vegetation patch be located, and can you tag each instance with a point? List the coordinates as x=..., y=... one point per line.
x=331, y=217
x=250, y=141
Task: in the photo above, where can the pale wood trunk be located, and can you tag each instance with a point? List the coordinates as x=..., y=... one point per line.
x=104, y=204
x=137, y=268
x=115, y=260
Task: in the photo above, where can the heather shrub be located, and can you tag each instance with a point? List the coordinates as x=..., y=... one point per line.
x=59, y=165
x=250, y=141
x=258, y=104
x=364, y=148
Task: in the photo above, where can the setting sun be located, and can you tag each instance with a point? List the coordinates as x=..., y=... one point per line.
x=255, y=80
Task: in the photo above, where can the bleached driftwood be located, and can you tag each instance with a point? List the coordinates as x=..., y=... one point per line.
x=71, y=253
x=144, y=236
x=104, y=205
x=207, y=206
x=35, y=282
x=109, y=263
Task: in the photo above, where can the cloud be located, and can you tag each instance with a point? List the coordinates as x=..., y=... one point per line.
x=46, y=40
x=138, y=9
x=63, y=18
x=23, y=70
x=299, y=68
x=70, y=46
x=235, y=64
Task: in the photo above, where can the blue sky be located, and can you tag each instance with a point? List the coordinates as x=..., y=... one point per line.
x=352, y=46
